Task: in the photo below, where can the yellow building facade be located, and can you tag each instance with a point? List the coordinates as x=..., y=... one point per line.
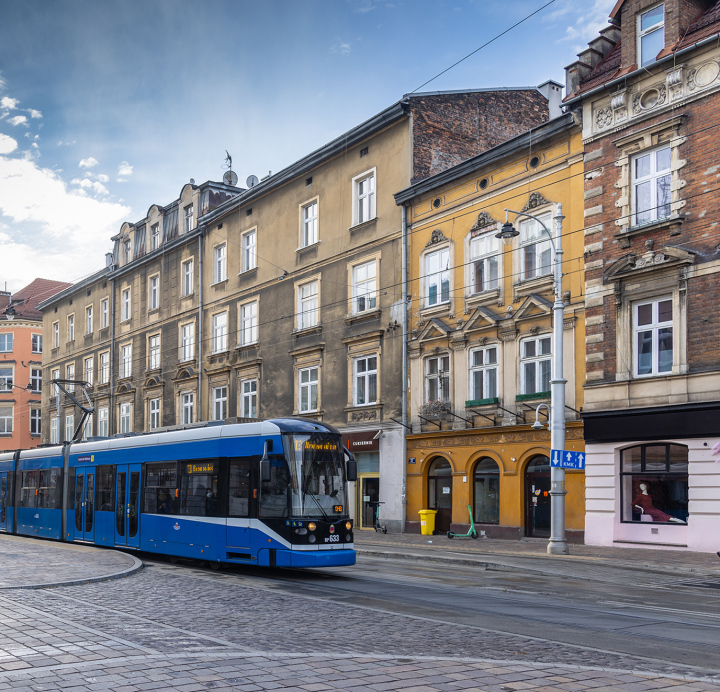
x=480, y=337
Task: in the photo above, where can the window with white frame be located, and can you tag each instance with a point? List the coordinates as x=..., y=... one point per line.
x=653, y=327
x=55, y=376
x=35, y=380
x=105, y=367
x=188, y=219
x=88, y=368
x=308, y=379
x=219, y=263
x=364, y=287
x=154, y=352
x=484, y=373
x=126, y=252
x=651, y=34
x=35, y=421
x=89, y=319
x=71, y=328
x=70, y=374
x=125, y=305
x=219, y=333
x=104, y=313
x=248, y=243
x=6, y=378
x=125, y=417
x=484, y=262
x=308, y=305
x=153, y=414
x=69, y=426
x=249, y=398
x=248, y=323
x=54, y=437
x=437, y=378
x=651, y=185
x=56, y=334
x=6, y=419
x=535, y=365
x=187, y=341
x=6, y=343
x=87, y=427
x=187, y=278
x=437, y=277
x=219, y=403
x=126, y=360
x=535, y=247
x=365, y=380
x=154, y=293
x=37, y=343
x=155, y=236
x=364, y=193
x=309, y=233
x=103, y=422
x=187, y=407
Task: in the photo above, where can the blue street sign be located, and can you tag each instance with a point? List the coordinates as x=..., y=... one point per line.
x=564, y=459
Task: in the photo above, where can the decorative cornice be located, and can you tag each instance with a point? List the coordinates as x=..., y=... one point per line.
x=534, y=201
x=436, y=237
x=483, y=221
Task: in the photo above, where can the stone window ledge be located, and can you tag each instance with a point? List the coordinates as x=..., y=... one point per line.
x=671, y=223
x=364, y=224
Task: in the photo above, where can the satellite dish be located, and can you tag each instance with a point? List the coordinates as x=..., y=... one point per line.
x=252, y=181
x=230, y=178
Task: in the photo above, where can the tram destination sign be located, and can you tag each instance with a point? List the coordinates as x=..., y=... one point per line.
x=565, y=459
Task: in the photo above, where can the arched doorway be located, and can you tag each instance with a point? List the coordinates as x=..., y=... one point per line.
x=440, y=493
x=537, y=497
x=486, y=492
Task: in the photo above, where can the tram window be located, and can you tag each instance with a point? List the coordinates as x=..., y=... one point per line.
x=71, y=488
x=239, y=502
x=105, y=488
x=48, y=494
x=161, y=488
x=199, y=491
x=274, y=494
x=29, y=482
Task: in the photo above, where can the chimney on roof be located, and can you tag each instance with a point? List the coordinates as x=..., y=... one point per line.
x=108, y=259
x=552, y=91
x=594, y=54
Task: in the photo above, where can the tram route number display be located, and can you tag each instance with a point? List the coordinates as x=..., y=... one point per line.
x=308, y=446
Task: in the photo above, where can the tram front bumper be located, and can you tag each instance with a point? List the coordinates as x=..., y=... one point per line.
x=307, y=558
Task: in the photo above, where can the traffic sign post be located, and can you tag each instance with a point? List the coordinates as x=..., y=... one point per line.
x=564, y=459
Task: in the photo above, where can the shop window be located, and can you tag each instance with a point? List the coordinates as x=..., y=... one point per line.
x=486, y=492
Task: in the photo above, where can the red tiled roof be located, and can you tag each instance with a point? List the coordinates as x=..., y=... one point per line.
x=26, y=300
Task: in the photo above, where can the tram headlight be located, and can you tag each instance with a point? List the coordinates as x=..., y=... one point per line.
x=348, y=525
x=312, y=526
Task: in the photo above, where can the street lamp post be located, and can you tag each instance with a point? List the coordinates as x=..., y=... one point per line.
x=557, y=545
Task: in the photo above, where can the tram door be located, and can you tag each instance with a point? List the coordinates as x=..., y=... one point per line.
x=85, y=503
x=127, y=505
x=5, y=519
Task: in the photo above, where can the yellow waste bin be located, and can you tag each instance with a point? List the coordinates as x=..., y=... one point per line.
x=427, y=521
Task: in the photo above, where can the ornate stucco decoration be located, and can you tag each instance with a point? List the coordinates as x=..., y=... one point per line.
x=483, y=221
x=436, y=237
x=649, y=260
x=534, y=201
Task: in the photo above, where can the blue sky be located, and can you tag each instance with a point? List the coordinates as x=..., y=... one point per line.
x=109, y=107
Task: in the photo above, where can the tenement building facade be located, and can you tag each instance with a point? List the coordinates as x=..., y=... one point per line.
x=648, y=89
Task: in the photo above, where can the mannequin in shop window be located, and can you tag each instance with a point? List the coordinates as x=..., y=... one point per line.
x=644, y=503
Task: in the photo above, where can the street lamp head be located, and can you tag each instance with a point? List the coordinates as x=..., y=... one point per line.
x=537, y=425
x=507, y=233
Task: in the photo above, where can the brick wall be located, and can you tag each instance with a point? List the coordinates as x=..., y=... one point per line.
x=451, y=128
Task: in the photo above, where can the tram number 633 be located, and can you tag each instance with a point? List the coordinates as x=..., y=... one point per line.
x=332, y=539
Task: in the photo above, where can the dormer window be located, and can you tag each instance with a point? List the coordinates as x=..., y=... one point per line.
x=126, y=252
x=651, y=34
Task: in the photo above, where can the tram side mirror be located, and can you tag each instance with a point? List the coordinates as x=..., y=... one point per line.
x=351, y=466
x=265, y=463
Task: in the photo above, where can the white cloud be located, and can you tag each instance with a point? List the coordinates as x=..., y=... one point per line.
x=7, y=102
x=342, y=47
x=88, y=162
x=121, y=180
x=102, y=177
x=34, y=113
x=66, y=143
x=7, y=144
x=125, y=169
x=586, y=25
x=18, y=120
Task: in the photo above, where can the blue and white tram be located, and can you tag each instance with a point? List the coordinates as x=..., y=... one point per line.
x=271, y=493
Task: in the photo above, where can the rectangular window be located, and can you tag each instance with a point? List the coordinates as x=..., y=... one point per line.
x=187, y=341
x=364, y=287
x=88, y=368
x=35, y=421
x=249, y=398
x=56, y=334
x=6, y=343
x=126, y=252
x=154, y=352
x=484, y=262
x=6, y=379
x=365, y=198
x=187, y=407
x=125, y=418
x=54, y=437
x=126, y=360
x=87, y=427
x=89, y=319
x=219, y=264
x=220, y=332
x=437, y=379
x=651, y=185
x=308, y=389
x=219, y=395
x=240, y=488
x=535, y=365
x=154, y=414
x=40, y=489
x=308, y=305
x=155, y=236
x=55, y=376
x=154, y=293
x=483, y=373
x=248, y=324
x=70, y=374
x=6, y=419
x=653, y=327
x=437, y=277
x=161, y=488
x=37, y=343
x=71, y=328
x=187, y=278
x=651, y=34
x=104, y=367
x=249, y=250
x=125, y=305
x=103, y=428
x=36, y=379
x=365, y=390
x=535, y=247
x=69, y=427
x=104, y=313
x=199, y=488
x=106, y=488
x=309, y=235
x=188, y=219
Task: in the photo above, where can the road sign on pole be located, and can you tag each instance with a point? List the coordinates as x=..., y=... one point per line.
x=564, y=459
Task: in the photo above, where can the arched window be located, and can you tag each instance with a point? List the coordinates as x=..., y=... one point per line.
x=486, y=489
x=654, y=483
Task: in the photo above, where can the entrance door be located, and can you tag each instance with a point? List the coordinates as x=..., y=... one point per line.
x=85, y=503
x=440, y=494
x=369, y=496
x=537, y=497
x=127, y=505
x=4, y=495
